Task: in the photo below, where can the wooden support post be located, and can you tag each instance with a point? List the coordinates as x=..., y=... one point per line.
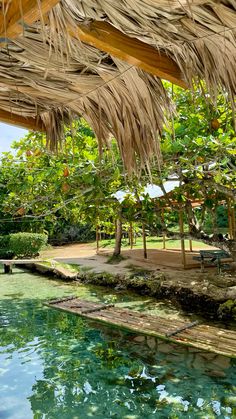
x=144, y=242
x=7, y=268
x=97, y=238
x=131, y=235
x=181, y=229
x=202, y=264
x=190, y=245
x=230, y=223
x=218, y=266
x=163, y=234
x=233, y=222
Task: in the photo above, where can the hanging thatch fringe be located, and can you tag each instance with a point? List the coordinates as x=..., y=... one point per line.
x=54, y=121
x=49, y=73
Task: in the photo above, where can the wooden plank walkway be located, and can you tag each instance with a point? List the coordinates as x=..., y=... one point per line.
x=9, y=263
x=200, y=336
x=19, y=261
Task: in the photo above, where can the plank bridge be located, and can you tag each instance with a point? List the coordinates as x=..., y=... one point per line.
x=9, y=263
x=200, y=336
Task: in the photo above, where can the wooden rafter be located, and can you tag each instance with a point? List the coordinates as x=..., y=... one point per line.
x=13, y=16
x=17, y=13
x=34, y=124
x=101, y=35
x=105, y=37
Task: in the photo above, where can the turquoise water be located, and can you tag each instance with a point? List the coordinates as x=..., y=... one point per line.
x=54, y=365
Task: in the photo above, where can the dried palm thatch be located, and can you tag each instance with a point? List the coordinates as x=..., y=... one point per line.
x=198, y=34
x=47, y=72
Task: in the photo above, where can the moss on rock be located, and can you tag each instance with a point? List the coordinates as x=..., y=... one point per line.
x=227, y=310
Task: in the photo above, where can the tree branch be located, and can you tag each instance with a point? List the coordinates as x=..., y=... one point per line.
x=227, y=245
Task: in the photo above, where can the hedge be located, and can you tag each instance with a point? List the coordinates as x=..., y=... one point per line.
x=22, y=245
x=5, y=252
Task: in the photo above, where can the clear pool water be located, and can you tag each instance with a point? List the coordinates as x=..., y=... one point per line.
x=54, y=365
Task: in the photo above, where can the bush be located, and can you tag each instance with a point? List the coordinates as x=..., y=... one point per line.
x=5, y=252
x=26, y=244
x=78, y=233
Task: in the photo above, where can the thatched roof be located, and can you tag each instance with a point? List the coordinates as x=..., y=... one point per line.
x=49, y=76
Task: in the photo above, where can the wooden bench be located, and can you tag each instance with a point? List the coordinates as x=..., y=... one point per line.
x=212, y=257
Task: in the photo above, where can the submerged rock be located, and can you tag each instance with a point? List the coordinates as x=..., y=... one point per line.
x=209, y=294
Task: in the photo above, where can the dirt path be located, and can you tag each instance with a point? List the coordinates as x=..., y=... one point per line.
x=168, y=261
x=202, y=292
x=85, y=255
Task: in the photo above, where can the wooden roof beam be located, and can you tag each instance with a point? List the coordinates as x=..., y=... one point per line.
x=17, y=13
x=34, y=124
x=107, y=38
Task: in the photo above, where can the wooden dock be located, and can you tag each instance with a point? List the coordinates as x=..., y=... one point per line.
x=200, y=336
x=9, y=263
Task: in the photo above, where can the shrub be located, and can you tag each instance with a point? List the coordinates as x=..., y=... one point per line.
x=5, y=252
x=64, y=233
x=26, y=244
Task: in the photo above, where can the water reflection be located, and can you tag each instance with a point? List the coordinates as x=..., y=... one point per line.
x=33, y=286
x=56, y=365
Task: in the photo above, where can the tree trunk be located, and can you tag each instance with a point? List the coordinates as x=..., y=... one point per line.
x=118, y=237
x=227, y=245
x=97, y=237
x=144, y=242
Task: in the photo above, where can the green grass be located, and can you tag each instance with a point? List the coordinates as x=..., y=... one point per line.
x=115, y=260
x=73, y=268
x=152, y=243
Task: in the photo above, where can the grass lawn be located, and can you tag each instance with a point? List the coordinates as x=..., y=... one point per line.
x=153, y=243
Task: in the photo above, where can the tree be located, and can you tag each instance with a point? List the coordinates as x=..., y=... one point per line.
x=199, y=149
x=45, y=191
x=78, y=184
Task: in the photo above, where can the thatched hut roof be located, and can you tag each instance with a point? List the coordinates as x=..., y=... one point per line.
x=104, y=60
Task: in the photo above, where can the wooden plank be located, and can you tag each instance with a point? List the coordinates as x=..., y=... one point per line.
x=17, y=13
x=107, y=38
x=181, y=329
x=63, y=299
x=34, y=124
x=9, y=263
x=96, y=309
x=186, y=340
x=19, y=261
x=202, y=337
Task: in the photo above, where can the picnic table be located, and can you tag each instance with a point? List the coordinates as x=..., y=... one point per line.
x=209, y=257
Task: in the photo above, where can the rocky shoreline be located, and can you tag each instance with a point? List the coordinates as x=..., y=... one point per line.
x=209, y=294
